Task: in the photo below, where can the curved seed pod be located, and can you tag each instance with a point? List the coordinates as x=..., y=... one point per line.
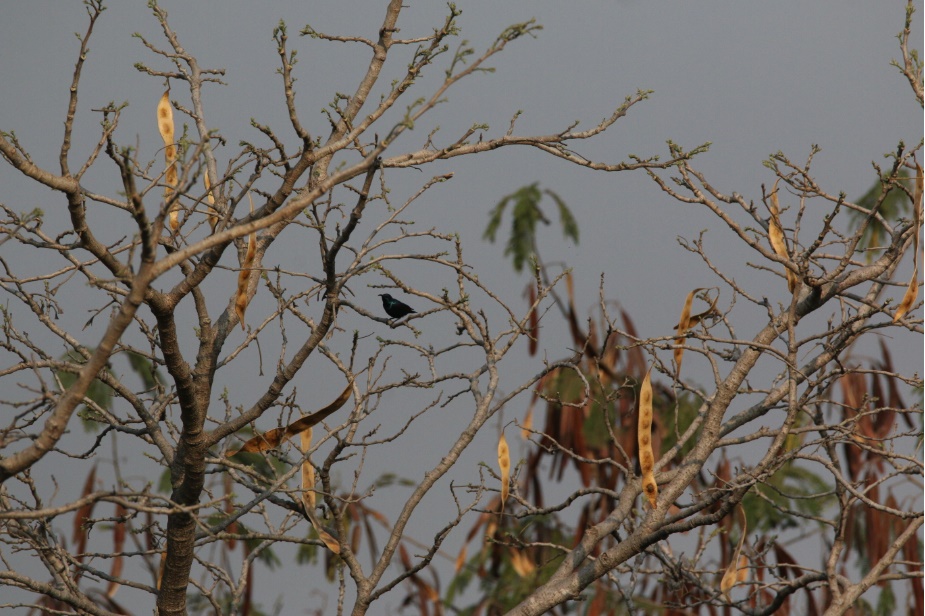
x=272, y=438
x=329, y=541
x=504, y=463
x=683, y=324
x=688, y=321
x=737, y=571
x=913, y=290
x=700, y=316
x=776, y=235
x=165, y=126
x=644, y=437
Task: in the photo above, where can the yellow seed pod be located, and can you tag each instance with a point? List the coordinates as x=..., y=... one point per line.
x=213, y=213
x=504, y=463
x=912, y=291
x=308, y=471
x=523, y=566
x=165, y=126
x=644, y=437
x=776, y=235
x=241, y=298
x=737, y=570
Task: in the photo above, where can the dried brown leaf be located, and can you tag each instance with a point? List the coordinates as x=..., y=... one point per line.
x=570, y=288
x=81, y=532
x=461, y=559
x=404, y=557
x=149, y=535
x=83, y=514
x=578, y=335
x=118, y=543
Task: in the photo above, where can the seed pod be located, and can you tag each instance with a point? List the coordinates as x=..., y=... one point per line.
x=161, y=567
x=737, y=571
x=460, y=559
x=913, y=290
x=688, y=321
x=308, y=471
x=527, y=424
x=329, y=541
x=521, y=563
x=165, y=126
x=776, y=235
x=213, y=213
x=504, y=462
x=644, y=437
x=241, y=297
x=272, y=438
x=683, y=324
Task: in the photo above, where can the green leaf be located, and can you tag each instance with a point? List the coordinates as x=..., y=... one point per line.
x=495, y=221
x=98, y=392
x=164, y=484
x=886, y=603
x=526, y=213
x=792, y=488
x=895, y=204
x=569, y=225
x=144, y=368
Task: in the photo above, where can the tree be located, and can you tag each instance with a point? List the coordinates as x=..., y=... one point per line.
x=289, y=468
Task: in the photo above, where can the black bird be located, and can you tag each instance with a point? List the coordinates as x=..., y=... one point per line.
x=395, y=308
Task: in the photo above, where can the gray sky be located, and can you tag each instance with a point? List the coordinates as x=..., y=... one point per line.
x=752, y=78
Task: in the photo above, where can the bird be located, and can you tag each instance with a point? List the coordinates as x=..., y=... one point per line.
x=395, y=308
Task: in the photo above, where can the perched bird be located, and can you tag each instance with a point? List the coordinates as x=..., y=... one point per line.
x=395, y=308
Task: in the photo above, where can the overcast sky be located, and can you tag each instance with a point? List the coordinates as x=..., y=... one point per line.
x=752, y=78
